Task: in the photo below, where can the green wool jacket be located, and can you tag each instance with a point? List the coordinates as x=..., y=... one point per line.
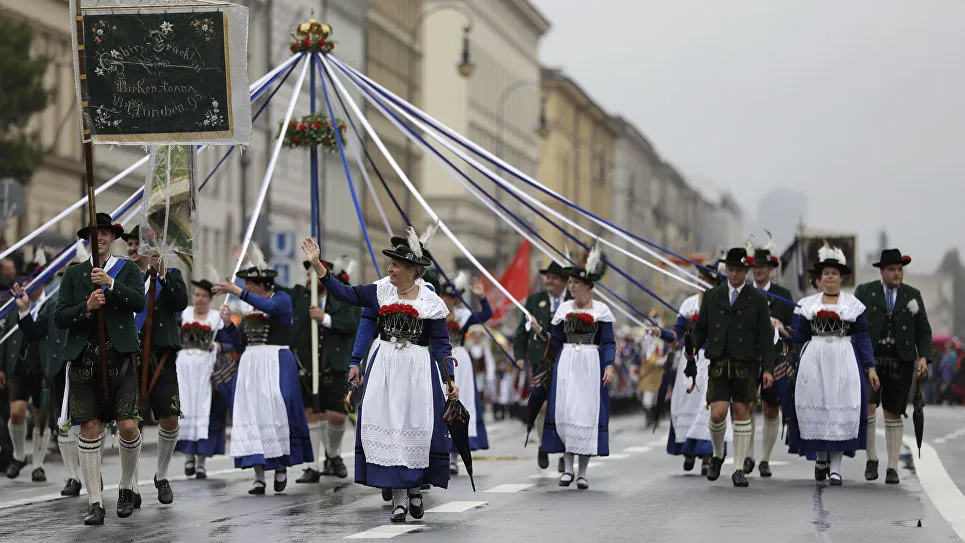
x=124, y=300
x=51, y=338
x=172, y=299
x=913, y=335
x=10, y=349
x=335, y=343
x=780, y=309
x=740, y=332
x=526, y=346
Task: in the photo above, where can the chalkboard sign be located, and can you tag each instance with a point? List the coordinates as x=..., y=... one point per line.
x=158, y=77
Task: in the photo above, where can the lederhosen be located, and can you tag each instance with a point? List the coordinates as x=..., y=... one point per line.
x=164, y=398
x=27, y=382
x=896, y=375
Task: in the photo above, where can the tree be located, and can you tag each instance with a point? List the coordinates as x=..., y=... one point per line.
x=22, y=95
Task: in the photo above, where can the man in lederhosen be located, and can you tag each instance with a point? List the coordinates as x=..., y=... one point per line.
x=116, y=289
x=24, y=367
x=528, y=347
x=735, y=327
x=338, y=323
x=171, y=298
x=902, y=339
x=782, y=314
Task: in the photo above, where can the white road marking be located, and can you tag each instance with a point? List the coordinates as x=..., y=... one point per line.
x=638, y=449
x=456, y=507
x=618, y=456
x=941, y=490
x=386, y=532
x=508, y=489
x=546, y=475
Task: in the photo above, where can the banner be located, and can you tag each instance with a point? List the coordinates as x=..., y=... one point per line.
x=170, y=73
x=800, y=257
x=170, y=214
x=515, y=279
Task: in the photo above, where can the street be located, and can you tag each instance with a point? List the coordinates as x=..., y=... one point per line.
x=639, y=493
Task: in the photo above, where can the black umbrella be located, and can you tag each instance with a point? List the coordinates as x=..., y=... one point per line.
x=457, y=420
x=538, y=392
x=918, y=416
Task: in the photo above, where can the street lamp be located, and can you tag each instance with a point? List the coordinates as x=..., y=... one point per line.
x=466, y=66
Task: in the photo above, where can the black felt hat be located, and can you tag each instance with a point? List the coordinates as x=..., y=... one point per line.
x=255, y=273
x=892, y=256
x=135, y=233
x=764, y=256
x=204, y=284
x=737, y=257
x=397, y=241
x=554, y=267
x=830, y=257
x=404, y=253
x=103, y=221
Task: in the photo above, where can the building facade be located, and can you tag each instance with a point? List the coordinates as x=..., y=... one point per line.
x=576, y=158
x=228, y=199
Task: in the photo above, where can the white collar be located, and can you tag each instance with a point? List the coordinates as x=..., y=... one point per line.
x=111, y=260
x=732, y=288
x=765, y=287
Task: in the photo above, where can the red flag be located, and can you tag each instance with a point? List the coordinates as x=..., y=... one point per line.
x=515, y=280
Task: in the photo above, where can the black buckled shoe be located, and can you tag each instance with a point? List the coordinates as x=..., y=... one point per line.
x=891, y=477
x=38, y=476
x=309, y=475
x=125, y=503
x=71, y=488
x=821, y=471
x=582, y=483
x=13, y=470
x=689, y=462
x=835, y=479
x=765, y=468
x=542, y=460
x=257, y=488
x=398, y=514
x=327, y=467
x=95, y=515
x=164, y=493
x=566, y=479
x=739, y=479
x=713, y=470
x=338, y=467
x=871, y=470
x=748, y=465
x=281, y=483
x=416, y=506
x=201, y=473
x=189, y=469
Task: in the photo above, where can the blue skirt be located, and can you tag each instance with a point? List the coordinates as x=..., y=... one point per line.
x=217, y=422
x=552, y=443
x=690, y=447
x=808, y=448
x=437, y=474
x=300, y=443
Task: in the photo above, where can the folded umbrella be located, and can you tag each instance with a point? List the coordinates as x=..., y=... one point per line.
x=538, y=392
x=457, y=420
x=918, y=415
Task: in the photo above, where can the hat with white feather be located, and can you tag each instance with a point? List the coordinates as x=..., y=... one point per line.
x=830, y=257
x=458, y=286
x=413, y=251
x=765, y=255
x=592, y=270
x=259, y=270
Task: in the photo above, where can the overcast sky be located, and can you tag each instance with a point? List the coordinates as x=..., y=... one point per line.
x=861, y=103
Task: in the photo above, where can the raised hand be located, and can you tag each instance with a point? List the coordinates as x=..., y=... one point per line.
x=477, y=287
x=23, y=302
x=226, y=287
x=312, y=251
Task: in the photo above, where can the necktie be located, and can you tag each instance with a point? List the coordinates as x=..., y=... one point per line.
x=891, y=301
x=733, y=296
x=554, y=303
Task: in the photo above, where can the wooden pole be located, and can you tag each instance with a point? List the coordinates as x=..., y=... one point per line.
x=91, y=203
x=148, y=330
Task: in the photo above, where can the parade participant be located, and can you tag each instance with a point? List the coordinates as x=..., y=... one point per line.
x=37, y=325
x=782, y=313
x=689, y=417
x=458, y=321
x=206, y=336
x=480, y=350
x=529, y=347
x=337, y=322
x=902, y=341
x=367, y=326
x=829, y=394
x=734, y=326
x=584, y=349
x=401, y=441
x=163, y=396
x=269, y=429
x=24, y=369
x=117, y=291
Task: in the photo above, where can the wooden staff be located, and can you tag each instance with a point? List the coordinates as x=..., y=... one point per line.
x=148, y=330
x=91, y=204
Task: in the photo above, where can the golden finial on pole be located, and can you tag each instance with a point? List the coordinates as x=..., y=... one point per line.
x=312, y=37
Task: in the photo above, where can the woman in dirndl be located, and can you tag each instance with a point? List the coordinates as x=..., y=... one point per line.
x=830, y=397
x=402, y=440
x=208, y=336
x=689, y=416
x=578, y=408
x=459, y=320
x=269, y=429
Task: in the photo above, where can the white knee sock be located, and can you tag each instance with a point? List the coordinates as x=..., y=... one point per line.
x=894, y=430
x=568, y=463
x=89, y=454
x=717, y=433
x=167, y=440
x=872, y=438
x=18, y=434
x=772, y=428
x=750, y=440
x=199, y=461
x=400, y=498
x=315, y=435
x=40, y=448
x=742, y=438
x=67, y=442
x=836, y=457
x=584, y=461
x=130, y=451
x=334, y=445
